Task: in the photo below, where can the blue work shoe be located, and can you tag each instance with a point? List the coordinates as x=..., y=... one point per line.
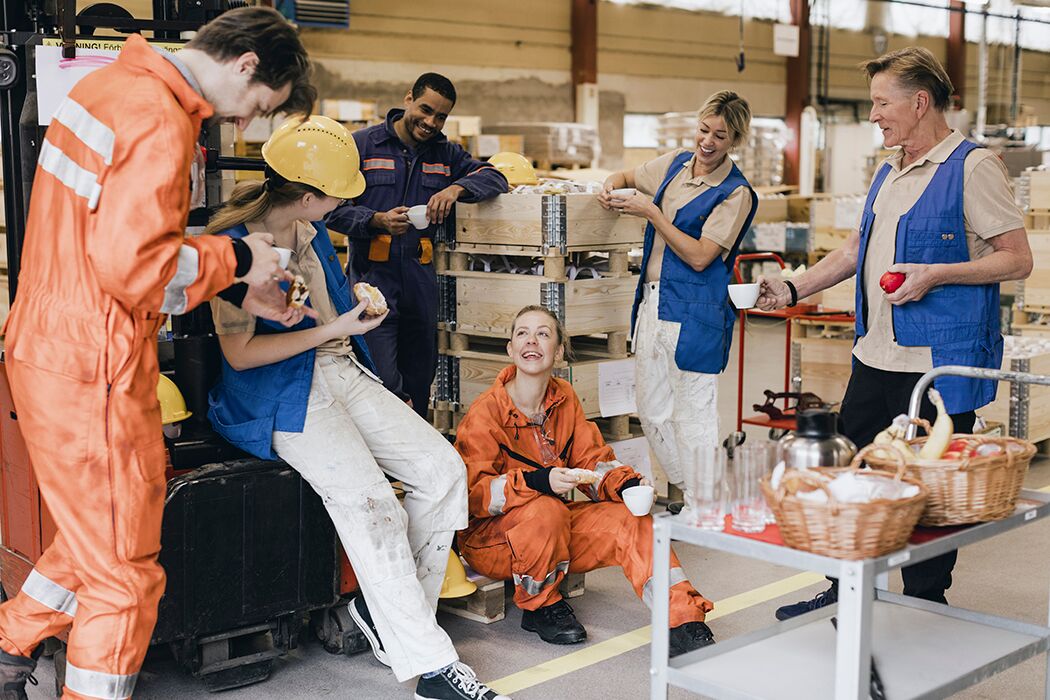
x=359, y=611
x=821, y=600
x=455, y=682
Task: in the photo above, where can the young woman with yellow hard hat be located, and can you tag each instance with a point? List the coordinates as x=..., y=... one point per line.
x=308, y=394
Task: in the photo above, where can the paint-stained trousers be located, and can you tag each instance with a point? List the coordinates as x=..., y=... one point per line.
x=676, y=408
x=355, y=433
x=537, y=543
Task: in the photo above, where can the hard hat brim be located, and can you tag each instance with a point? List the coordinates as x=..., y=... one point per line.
x=354, y=189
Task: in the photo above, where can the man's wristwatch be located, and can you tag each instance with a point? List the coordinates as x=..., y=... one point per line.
x=794, y=292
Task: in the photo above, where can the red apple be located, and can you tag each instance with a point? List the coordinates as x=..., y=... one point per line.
x=891, y=281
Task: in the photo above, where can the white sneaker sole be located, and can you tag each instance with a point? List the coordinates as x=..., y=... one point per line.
x=366, y=629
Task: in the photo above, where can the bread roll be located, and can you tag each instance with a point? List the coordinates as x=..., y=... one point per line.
x=376, y=301
x=298, y=293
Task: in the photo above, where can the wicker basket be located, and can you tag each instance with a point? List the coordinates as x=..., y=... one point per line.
x=974, y=489
x=844, y=530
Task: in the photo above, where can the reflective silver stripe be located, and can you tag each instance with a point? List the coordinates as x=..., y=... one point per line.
x=95, y=135
x=83, y=182
x=175, y=300
x=497, y=495
x=677, y=576
x=95, y=684
x=49, y=594
x=532, y=586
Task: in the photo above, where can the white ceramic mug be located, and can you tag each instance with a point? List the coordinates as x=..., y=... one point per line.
x=285, y=256
x=418, y=216
x=744, y=296
x=639, y=499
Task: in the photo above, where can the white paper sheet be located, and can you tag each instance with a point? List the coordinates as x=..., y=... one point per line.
x=616, y=388
x=635, y=452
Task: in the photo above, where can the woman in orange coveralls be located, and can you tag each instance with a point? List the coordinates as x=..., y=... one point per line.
x=527, y=444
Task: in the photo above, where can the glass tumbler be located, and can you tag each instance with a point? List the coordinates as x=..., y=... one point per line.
x=706, y=486
x=751, y=462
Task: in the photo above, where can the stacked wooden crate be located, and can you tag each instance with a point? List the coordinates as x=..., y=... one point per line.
x=1024, y=408
x=477, y=308
x=821, y=355
x=1031, y=312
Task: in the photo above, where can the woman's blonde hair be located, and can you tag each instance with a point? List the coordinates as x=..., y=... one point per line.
x=734, y=110
x=559, y=329
x=253, y=200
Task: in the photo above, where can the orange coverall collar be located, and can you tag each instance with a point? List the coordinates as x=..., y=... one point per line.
x=138, y=54
x=512, y=416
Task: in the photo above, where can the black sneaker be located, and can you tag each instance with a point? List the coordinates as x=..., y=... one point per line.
x=555, y=624
x=675, y=507
x=15, y=671
x=690, y=637
x=802, y=607
x=457, y=682
x=363, y=618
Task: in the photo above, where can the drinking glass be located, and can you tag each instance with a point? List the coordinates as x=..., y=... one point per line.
x=751, y=462
x=706, y=486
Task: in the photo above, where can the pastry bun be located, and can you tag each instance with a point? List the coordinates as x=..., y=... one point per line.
x=376, y=301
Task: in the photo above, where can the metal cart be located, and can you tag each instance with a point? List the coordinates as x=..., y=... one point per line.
x=903, y=639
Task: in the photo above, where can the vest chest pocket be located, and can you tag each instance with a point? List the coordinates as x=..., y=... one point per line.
x=378, y=178
x=936, y=241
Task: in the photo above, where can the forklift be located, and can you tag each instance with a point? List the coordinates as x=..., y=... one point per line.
x=228, y=517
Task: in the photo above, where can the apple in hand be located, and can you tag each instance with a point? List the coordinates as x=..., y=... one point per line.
x=891, y=281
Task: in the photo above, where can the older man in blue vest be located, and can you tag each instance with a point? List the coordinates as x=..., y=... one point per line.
x=940, y=211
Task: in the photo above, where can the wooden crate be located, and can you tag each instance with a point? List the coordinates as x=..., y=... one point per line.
x=841, y=297
x=546, y=223
x=555, y=264
x=1037, y=286
x=485, y=303
x=824, y=238
x=822, y=357
x=1025, y=409
x=488, y=603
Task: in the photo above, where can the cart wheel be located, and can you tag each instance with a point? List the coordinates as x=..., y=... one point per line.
x=777, y=433
x=337, y=631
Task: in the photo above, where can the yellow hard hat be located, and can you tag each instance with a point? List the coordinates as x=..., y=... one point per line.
x=515, y=167
x=172, y=405
x=319, y=152
x=456, y=583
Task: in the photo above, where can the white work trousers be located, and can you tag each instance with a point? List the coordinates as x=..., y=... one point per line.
x=355, y=431
x=676, y=407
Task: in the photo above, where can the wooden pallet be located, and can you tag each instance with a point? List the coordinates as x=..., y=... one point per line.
x=1037, y=219
x=554, y=264
x=488, y=603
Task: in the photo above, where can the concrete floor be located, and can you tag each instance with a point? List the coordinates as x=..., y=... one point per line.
x=1008, y=575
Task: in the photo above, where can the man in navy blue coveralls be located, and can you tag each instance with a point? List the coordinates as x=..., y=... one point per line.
x=407, y=161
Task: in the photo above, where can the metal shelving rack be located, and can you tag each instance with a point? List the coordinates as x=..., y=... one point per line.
x=920, y=649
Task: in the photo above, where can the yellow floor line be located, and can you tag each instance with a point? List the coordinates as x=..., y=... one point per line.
x=610, y=648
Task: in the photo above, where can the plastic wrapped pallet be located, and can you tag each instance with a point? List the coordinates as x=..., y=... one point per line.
x=554, y=143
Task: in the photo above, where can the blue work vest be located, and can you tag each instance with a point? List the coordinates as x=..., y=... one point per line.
x=699, y=301
x=248, y=405
x=959, y=322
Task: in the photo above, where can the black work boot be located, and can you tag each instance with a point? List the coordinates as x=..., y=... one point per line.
x=689, y=637
x=822, y=599
x=15, y=671
x=554, y=623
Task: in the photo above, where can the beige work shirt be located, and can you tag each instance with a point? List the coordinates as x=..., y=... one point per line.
x=724, y=222
x=988, y=210
x=230, y=319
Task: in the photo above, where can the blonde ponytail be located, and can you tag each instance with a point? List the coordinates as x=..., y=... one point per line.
x=252, y=200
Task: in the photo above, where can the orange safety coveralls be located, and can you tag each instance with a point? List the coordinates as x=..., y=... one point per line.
x=516, y=531
x=104, y=256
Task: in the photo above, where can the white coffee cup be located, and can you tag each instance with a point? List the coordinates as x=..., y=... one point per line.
x=639, y=499
x=623, y=192
x=744, y=296
x=418, y=216
x=285, y=256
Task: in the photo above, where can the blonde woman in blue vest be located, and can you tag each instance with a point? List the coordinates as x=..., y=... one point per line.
x=309, y=396
x=698, y=205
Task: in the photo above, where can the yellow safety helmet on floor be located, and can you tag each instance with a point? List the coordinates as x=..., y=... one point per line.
x=319, y=152
x=172, y=405
x=515, y=167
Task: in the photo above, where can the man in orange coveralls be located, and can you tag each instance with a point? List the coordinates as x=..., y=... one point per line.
x=105, y=258
x=527, y=443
